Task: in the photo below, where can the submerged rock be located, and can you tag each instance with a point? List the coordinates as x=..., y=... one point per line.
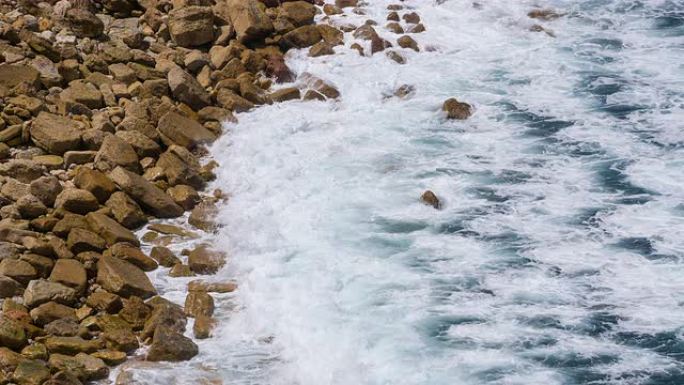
x=457, y=110
x=431, y=199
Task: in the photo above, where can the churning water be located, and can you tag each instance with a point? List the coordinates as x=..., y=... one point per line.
x=558, y=255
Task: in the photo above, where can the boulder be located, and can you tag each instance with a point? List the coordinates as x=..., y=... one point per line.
x=40, y=291
x=71, y=345
x=31, y=372
x=203, y=216
x=55, y=134
x=116, y=152
x=70, y=221
x=191, y=26
x=298, y=12
x=248, y=19
x=51, y=311
x=125, y=210
x=11, y=75
x=46, y=188
x=69, y=272
x=164, y=314
x=84, y=366
x=408, y=42
x=185, y=88
x=110, y=230
x=82, y=92
x=141, y=143
x=122, y=340
x=132, y=255
x=122, y=278
x=76, y=201
x=145, y=193
x=12, y=334
x=184, y=195
x=81, y=240
x=9, y=287
x=178, y=172
x=23, y=170
x=203, y=260
x=169, y=345
x=301, y=37
x=203, y=327
x=212, y=287
x=456, y=110
x=30, y=207
x=17, y=270
x=178, y=129
x=199, y=303
x=105, y=301
x=96, y=182
x=62, y=328
x=164, y=256
x=431, y=199
x=229, y=100
x=83, y=23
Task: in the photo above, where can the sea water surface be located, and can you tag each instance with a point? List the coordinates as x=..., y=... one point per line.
x=557, y=257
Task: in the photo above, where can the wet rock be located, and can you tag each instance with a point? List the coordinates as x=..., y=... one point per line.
x=411, y=18
x=330, y=34
x=122, y=278
x=431, y=199
x=212, y=287
x=203, y=216
x=84, y=366
x=418, y=28
x=248, y=19
x=133, y=255
x=346, y=3
x=110, y=230
x=76, y=201
x=232, y=101
x=55, y=134
x=184, y=195
x=52, y=311
x=396, y=56
x=543, y=14
x=31, y=372
x=178, y=172
x=183, y=131
x=164, y=314
x=149, y=196
x=321, y=49
x=199, y=303
x=164, y=256
x=408, y=42
x=203, y=260
x=12, y=334
x=298, y=12
x=301, y=37
x=203, y=327
x=191, y=26
x=125, y=210
x=41, y=291
x=135, y=312
x=69, y=272
x=111, y=357
x=35, y=351
x=169, y=345
x=285, y=94
x=456, y=110
x=181, y=270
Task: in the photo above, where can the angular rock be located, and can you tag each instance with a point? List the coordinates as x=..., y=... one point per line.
x=301, y=37
x=69, y=272
x=52, y=311
x=105, y=301
x=116, y=152
x=30, y=207
x=142, y=144
x=110, y=230
x=199, y=303
x=18, y=270
x=191, y=26
x=164, y=256
x=84, y=23
x=71, y=345
x=31, y=372
x=55, y=134
x=249, y=20
x=81, y=240
x=125, y=210
x=82, y=92
x=185, y=88
x=41, y=291
x=149, y=196
x=298, y=12
x=76, y=201
x=123, y=278
x=133, y=255
x=203, y=260
x=169, y=345
x=9, y=287
x=178, y=129
x=431, y=199
x=184, y=195
x=96, y=182
x=12, y=334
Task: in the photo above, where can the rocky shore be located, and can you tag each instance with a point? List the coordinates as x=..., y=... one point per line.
x=106, y=111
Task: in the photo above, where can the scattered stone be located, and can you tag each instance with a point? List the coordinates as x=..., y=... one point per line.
x=18, y=270
x=408, y=42
x=95, y=182
x=116, y=152
x=203, y=260
x=70, y=272
x=183, y=131
x=199, y=303
x=456, y=110
x=164, y=256
x=431, y=199
x=203, y=327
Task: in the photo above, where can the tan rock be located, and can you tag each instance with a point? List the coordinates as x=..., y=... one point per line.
x=96, y=182
x=330, y=34
x=456, y=110
x=203, y=327
x=199, y=303
x=30, y=207
x=248, y=18
x=71, y=345
x=178, y=129
x=229, y=100
x=203, y=260
x=146, y=194
x=301, y=37
x=181, y=270
x=116, y=152
x=40, y=291
x=185, y=88
x=164, y=256
x=321, y=49
x=12, y=334
x=184, y=195
x=110, y=230
x=203, y=216
x=178, y=172
x=191, y=26
x=31, y=372
x=83, y=23
x=298, y=12
x=125, y=210
x=55, y=134
x=18, y=270
x=142, y=144
x=285, y=94
x=81, y=240
x=9, y=287
x=51, y=311
x=133, y=255
x=105, y=301
x=76, y=201
x=123, y=278
x=408, y=42
x=212, y=287
x=169, y=345
x=431, y=199
x=69, y=272
x=82, y=92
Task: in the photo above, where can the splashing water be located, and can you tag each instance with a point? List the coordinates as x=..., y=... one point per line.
x=557, y=258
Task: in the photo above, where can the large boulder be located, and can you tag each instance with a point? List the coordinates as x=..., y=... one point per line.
x=76, y=201
x=145, y=193
x=169, y=345
x=122, y=278
x=191, y=26
x=178, y=129
x=248, y=18
x=125, y=210
x=41, y=291
x=110, y=230
x=96, y=182
x=116, y=152
x=186, y=89
x=55, y=134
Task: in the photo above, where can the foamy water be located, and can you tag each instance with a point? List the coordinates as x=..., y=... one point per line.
x=557, y=258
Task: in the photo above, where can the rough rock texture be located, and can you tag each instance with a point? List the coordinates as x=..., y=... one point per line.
x=149, y=196
x=123, y=278
x=55, y=134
